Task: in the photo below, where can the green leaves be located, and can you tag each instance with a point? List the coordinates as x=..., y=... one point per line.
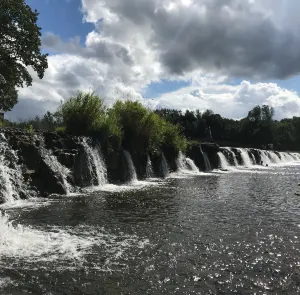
x=128, y=123
x=19, y=48
x=83, y=113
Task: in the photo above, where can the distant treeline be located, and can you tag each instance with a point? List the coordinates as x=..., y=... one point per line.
x=258, y=129
x=131, y=124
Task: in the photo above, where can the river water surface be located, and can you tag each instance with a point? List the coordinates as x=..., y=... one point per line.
x=217, y=233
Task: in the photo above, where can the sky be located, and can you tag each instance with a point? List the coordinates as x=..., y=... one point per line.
x=224, y=55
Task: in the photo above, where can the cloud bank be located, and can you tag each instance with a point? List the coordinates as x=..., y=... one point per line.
x=136, y=42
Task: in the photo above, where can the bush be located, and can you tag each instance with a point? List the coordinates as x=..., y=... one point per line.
x=172, y=138
x=131, y=116
x=60, y=129
x=127, y=123
x=83, y=114
x=109, y=132
x=144, y=131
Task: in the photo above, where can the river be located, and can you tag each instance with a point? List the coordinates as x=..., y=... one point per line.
x=233, y=232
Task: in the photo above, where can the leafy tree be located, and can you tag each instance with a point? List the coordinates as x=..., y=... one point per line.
x=83, y=114
x=19, y=48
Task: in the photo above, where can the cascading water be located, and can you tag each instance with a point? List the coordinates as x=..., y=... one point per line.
x=234, y=157
x=55, y=165
x=186, y=164
x=286, y=157
x=206, y=160
x=245, y=157
x=295, y=156
x=11, y=179
x=252, y=158
x=95, y=161
x=181, y=162
x=149, y=169
x=192, y=166
x=274, y=158
x=130, y=166
x=223, y=161
x=164, y=167
x=264, y=157
x=248, y=158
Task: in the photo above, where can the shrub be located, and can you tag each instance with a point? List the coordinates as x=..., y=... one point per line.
x=60, y=129
x=110, y=132
x=143, y=130
x=127, y=123
x=172, y=138
x=83, y=113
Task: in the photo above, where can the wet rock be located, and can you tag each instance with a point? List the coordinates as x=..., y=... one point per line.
x=160, y=165
x=196, y=154
x=84, y=176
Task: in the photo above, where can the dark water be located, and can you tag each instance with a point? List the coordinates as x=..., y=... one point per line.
x=234, y=233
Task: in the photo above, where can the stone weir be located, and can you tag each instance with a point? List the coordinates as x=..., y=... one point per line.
x=46, y=163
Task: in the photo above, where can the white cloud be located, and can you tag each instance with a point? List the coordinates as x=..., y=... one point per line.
x=232, y=101
x=136, y=42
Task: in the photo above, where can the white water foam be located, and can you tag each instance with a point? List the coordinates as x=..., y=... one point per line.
x=269, y=159
x=252, y=158
x=69, y=244
x=223, y=161
x=192, y=166
x=186, y=165
x=58, y=168
x=233, y=155
x=245, y=157
x=274, y=158
x=95, y=160
x=24, y=242
x=30, y=203
x=55, y=166
x=131, y=168
x=11, y=178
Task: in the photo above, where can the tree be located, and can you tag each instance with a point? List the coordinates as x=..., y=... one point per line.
x=19, y=48
x=83, y=113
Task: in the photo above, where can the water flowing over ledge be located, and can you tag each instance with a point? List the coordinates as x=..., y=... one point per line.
x=235, y=157
x=37, y=165
x=43, y=164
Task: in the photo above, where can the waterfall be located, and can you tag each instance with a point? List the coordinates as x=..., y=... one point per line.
x=186, y=164
x=245, y=157
x=252, y=157
x=149, y=169
x=264, y=157
x=11, y=179
x=295, y=156
x=192, y=166
x=181, y=162
x=274, y=158
x=286, y=157
x=223, y=161
x=235, y=161
x=56, y=166
x=164, y=167
x=206, y=160
x=95, y=161
x=130, y=165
